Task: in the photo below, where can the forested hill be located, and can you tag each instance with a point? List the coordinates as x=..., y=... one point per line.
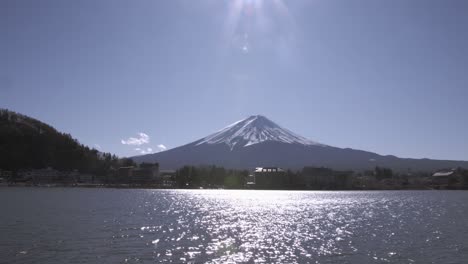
x=27, y=143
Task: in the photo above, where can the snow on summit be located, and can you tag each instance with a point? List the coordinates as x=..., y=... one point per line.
x=253, y=130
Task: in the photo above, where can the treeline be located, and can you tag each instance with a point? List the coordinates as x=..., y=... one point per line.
x=26, y=143
x=219, y=177
x=315, y=178
x=210, y=177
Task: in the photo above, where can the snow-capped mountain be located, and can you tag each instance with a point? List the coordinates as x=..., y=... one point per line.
x=257, y=141
x=254, y=130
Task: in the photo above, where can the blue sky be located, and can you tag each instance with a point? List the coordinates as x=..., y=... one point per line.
x=385, y=76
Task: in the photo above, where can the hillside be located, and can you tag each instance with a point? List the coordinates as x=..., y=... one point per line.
x=27, y=143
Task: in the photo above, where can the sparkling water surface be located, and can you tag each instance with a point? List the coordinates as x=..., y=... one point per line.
x=73, y=225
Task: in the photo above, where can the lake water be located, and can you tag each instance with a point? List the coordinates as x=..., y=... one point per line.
x=67, y=225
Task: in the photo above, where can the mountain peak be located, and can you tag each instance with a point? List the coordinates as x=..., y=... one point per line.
x=253, y=130
x=258, y=141
x=256, y=116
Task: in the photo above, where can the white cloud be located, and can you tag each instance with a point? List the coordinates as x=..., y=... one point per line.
x=97, y=146
x=161, y=147
x=148, y=150
x=140, y=140
x=144, y=151
x=137, y=141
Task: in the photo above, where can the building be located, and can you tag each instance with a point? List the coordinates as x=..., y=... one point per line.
x=124, y=174
x=141, y=175
x=47, y=175
x=443, y=179
x=167, y=178
x=250, y=182
x=6, y=175
x=269, y=177
x=84, y=178
x=145, y=175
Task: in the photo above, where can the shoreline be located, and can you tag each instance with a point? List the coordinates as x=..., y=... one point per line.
x=123, y=186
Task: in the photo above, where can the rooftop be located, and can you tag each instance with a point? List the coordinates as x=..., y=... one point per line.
x=443, y=174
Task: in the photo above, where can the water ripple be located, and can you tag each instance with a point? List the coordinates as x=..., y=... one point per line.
x=208, y=226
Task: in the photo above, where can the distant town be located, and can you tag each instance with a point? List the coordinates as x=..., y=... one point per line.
x=33, y=153
x=148, y=175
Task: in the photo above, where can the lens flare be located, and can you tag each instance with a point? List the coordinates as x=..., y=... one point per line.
x=252, y=21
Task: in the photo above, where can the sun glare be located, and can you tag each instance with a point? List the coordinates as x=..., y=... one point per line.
x=249, y=19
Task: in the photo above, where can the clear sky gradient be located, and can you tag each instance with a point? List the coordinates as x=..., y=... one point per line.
x=385, y=76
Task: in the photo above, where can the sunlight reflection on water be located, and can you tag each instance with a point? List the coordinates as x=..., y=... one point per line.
x=220, y=226
x=286, y=227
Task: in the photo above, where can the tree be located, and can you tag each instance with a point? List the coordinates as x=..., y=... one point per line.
x=383, y=173
x=464, y=178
